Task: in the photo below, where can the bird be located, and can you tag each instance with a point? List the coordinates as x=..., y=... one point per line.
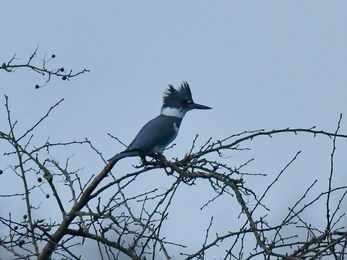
x=159, y=132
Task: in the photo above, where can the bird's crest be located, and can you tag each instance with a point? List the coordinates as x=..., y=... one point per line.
x=173, y=95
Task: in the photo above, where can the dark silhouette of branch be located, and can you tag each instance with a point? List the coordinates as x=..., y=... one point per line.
x=11, y=66
x=119, y=222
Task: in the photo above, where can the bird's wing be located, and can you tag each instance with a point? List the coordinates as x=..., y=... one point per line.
x=159, y=132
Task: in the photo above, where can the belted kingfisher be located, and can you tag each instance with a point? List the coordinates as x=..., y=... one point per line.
x=158, y=133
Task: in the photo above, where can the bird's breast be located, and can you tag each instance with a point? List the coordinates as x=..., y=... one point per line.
x=160, y=147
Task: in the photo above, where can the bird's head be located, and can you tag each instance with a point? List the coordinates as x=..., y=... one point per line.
x=177, y=102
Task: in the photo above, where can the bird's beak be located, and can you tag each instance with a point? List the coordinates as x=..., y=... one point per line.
x=198, y=106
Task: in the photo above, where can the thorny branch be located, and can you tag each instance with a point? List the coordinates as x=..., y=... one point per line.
x=11, y=66
x=123, y=224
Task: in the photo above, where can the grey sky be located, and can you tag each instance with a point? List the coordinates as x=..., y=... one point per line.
x=258, y=64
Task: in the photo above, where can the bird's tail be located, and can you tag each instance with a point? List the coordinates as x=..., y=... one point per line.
x=124, y=154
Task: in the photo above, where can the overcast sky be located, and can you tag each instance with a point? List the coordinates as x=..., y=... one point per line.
x=258, y=64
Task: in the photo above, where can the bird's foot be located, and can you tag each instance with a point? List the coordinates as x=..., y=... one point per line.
x=145, y=162
x=159, y=157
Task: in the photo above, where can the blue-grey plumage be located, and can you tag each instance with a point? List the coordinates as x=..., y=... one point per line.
x=153, y=137
x=158, y=133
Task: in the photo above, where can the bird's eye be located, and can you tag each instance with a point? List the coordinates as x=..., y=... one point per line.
x=187, y=102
